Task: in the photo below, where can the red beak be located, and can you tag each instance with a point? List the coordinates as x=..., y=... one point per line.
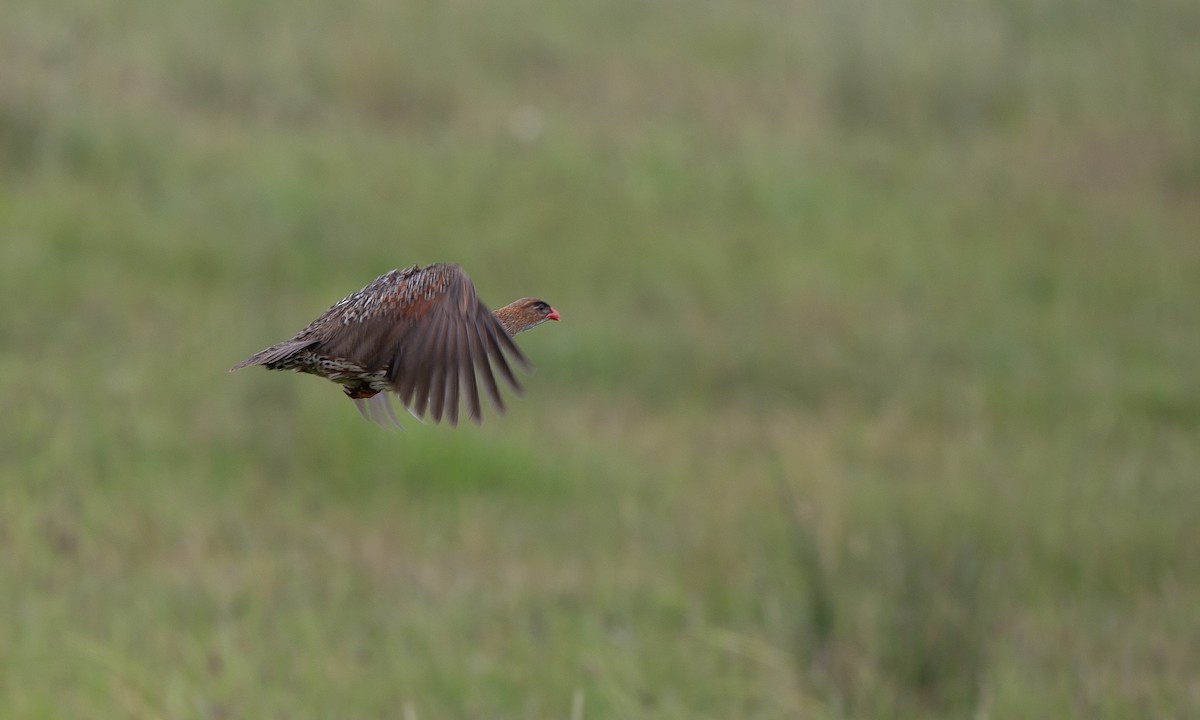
x=553, y=314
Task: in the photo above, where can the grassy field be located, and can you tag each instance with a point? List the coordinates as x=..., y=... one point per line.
x=876, y=392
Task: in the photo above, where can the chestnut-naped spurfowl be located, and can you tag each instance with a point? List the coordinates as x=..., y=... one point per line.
x=420, y=333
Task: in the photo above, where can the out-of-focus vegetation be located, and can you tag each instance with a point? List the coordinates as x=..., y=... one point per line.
x=875, y=394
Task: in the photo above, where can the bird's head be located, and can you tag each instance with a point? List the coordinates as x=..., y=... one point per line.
x=524, y=314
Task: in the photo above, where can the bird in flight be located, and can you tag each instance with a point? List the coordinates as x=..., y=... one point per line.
x=421, y=333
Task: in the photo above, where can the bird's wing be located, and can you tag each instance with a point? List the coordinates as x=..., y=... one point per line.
x=432, y=336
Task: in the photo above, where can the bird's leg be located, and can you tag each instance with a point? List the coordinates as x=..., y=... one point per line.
x=360, y=391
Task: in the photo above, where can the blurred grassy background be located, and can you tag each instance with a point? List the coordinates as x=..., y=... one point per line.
x=875, y=395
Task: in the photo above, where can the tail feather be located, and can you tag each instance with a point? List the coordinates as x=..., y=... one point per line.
x=274, y=354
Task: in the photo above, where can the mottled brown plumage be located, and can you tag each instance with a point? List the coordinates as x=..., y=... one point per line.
x=420, y=333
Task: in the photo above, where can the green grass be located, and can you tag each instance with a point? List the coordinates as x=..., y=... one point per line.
x=875, y=394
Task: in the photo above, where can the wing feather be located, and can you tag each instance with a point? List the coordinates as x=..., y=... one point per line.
x=420, y=368
x=496, y=336
x=437, y=386
x=468, y=348
x=483, y=366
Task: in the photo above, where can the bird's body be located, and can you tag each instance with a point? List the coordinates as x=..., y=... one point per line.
x=421, y=333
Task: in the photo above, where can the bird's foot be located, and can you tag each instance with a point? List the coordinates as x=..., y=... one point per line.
x=360, y=392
